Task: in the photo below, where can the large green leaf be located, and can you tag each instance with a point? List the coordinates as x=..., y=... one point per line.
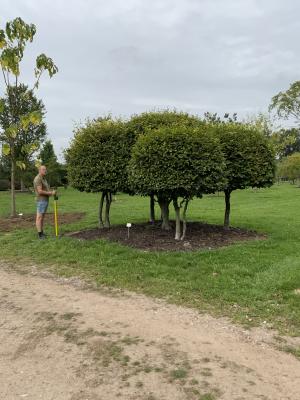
x=12, y=131
x=44, y=63
x=5, y=149
x=30, y=148
x=33, y=118
x=10, y=60
x=21, y=165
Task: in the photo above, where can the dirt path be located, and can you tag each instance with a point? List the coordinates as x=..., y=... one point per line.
x=61, y=341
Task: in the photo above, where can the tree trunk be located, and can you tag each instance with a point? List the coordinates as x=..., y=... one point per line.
x=178, y=222
x=108, y=199
x=152, y=209
x=12, y=187
x=184, y=219
x=164, y=207
x=101, y=225
x=227, y=208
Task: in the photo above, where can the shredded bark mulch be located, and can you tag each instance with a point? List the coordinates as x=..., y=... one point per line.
x=150, y=237
x=28, y=221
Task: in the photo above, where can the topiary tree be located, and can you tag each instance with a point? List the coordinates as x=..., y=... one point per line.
x=175, y=164
x=249, y=159
x=152, y=120
x=97, y=160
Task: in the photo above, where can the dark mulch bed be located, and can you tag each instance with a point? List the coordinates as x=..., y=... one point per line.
x=151, y=237
x=28, y=221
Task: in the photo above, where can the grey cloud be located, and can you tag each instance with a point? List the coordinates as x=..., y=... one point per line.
x=129, y=56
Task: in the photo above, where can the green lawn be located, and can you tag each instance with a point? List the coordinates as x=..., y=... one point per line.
x=251, y=282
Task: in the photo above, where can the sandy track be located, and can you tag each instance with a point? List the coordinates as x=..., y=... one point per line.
x=61, y=341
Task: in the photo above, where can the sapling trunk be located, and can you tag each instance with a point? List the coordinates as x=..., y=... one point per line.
x=186, y=203
x=227, y=208
x=12, y=187
x=177, y=218
x=152, y=209
x=101, y=224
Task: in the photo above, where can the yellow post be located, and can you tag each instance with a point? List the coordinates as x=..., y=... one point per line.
x=55, y=216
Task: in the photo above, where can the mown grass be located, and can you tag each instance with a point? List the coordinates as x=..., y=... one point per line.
x=252, y=282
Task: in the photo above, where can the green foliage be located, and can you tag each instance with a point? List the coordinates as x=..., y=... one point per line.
x=13, y=41
x=214, y=118
x=5, y=149
x=248, y=155
x=249, y=158
x=98, y=156
x=152, y=120
x=47, y=154
x=286, y=141
x=24, y=177
x=289, y=168
x=97, y=160
x=48, y=157
x=287, y=104
x=31, y=131
x=176, y=162
x=4, y=174
x=44, y=63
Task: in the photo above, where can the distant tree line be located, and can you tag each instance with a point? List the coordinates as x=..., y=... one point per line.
x=56, y=176
x=286, y=105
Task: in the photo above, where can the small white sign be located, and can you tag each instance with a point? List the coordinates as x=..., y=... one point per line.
x=20, y=214
x=128, y=225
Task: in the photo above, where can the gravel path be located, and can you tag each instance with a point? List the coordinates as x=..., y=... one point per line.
x=60, y=340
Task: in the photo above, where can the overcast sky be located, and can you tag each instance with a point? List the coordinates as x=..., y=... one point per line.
x=127, y=56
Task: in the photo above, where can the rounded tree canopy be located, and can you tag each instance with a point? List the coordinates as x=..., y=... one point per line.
x=98, y=156
x=249, y=157
x=147, y=121
x=177, y=161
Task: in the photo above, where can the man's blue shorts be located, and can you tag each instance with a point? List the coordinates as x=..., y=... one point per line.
x=41, y=206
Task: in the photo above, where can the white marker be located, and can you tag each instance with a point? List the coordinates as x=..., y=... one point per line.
x=128, y=225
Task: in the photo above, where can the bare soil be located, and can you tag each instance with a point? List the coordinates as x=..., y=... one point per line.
x=152, y=238
x=28, y=220
x=63, y=340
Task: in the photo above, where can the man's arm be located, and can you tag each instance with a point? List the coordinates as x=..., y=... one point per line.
x=44, y=192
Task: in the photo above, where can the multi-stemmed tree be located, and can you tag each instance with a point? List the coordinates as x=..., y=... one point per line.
x=249, y=159
x=171, y=163
x=141, y=124
x=176, y=164
x=97, y=161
